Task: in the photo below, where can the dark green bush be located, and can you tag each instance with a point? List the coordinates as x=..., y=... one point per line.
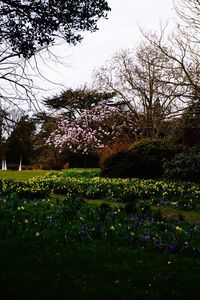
x=184, y=166
x=118, y=165
x=144, y=160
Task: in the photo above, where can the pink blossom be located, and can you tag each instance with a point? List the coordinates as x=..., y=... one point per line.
x=94, y=129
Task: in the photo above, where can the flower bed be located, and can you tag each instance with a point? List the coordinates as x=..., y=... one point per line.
x=182, y=195
x=73, y=220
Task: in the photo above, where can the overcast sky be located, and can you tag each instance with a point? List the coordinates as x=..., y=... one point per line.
x=120, y=30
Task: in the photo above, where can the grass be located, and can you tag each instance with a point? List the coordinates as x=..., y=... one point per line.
x=94, y=271
x=190, y=216
x=174, y=213
x=39, y=268
x=22, y=175
x=95, y=202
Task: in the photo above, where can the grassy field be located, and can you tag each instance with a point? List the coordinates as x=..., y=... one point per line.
x=63, y=248
x=89, y=271
x=22, y=175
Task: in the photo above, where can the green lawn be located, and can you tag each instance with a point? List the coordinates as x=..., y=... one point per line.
x=22, y=175
x=87, y=271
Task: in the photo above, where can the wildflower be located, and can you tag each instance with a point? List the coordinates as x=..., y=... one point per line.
x=26, y=221
x=112, y=228
x=37, y=234
x=179, y=228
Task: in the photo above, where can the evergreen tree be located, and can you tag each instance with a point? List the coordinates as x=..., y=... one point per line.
x=20, y=142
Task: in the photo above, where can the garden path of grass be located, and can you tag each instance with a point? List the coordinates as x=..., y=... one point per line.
x=174, y=213
x=189, y=216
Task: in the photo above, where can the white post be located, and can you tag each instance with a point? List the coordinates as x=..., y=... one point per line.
x=20, y=164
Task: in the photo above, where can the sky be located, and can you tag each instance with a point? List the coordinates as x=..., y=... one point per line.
x=120, y=30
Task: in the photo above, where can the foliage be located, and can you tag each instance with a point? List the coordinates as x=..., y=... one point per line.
x=28, y=188
x=94, y=129
x=27, y=26
x=47, y=157
x=20, y=142
x=28, y=30
x=184, y=166
x=87, y=184
x=119, y=146
x=71, y=220
x=54, y=233
x=143, y=160
x=71, y=103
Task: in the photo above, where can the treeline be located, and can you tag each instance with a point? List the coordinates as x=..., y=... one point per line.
x=93, y=130
x=149, y=93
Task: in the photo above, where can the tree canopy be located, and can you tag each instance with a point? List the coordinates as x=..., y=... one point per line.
x=71, y=102
x=29, y=25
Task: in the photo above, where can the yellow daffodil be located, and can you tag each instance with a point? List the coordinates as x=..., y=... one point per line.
x=179, y=228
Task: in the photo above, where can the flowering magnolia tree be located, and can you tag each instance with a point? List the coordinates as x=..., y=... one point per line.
x=93, y=130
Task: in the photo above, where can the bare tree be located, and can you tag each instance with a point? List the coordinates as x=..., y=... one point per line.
x=185, y=56
x=146, y=83
x=189, y=13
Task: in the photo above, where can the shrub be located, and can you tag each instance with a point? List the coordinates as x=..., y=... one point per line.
x=122, y=145
x=144, y=160
x=118, y=165
x=184, y=166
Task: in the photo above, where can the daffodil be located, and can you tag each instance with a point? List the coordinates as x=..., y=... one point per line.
x=179, y=228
